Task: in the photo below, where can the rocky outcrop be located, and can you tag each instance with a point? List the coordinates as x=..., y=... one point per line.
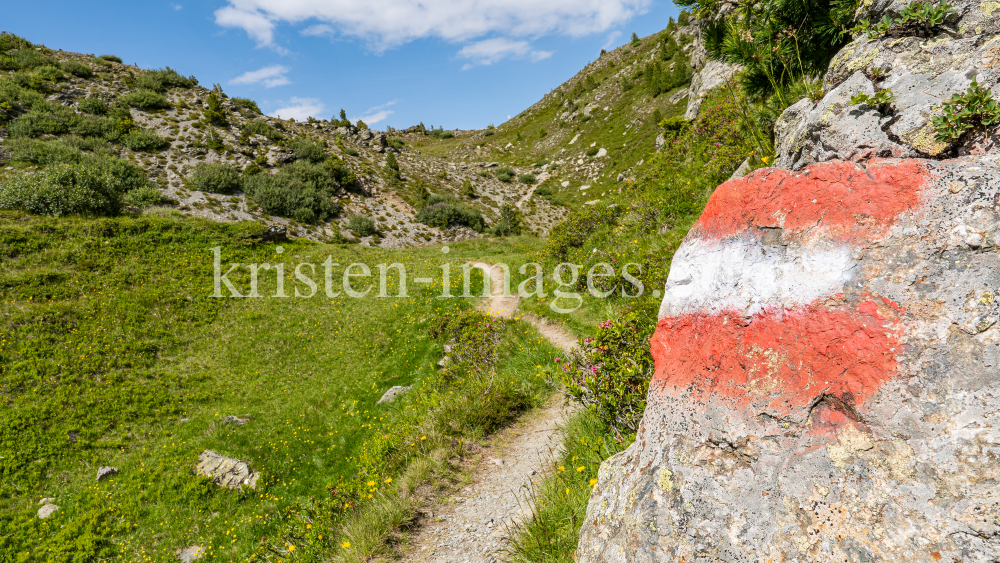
x=708, y=74
x=920, y=72
x=827, y=382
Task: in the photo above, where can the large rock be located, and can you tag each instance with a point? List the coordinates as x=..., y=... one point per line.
x=921, y=72
x=827, y=382
x=712, y=75
x=226, y=471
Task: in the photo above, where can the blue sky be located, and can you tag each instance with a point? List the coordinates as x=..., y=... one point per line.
x=452, y=63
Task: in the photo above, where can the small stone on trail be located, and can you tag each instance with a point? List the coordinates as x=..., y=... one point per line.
x=391, y=395
x=226, y=471
x=235, y=420
x=105, y=472
x=47, y=510
x=46, y=500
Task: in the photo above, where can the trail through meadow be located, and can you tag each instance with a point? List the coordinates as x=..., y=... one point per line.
x=472, y=525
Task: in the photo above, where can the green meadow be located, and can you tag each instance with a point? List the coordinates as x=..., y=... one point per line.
x=114, y=353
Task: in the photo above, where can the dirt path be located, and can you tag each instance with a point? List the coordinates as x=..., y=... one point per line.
x=472, y=525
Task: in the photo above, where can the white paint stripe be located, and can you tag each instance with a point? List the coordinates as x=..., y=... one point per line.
x=745, y=276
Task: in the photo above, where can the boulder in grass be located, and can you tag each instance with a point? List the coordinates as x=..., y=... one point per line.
x=226, y=471
x=393, y=394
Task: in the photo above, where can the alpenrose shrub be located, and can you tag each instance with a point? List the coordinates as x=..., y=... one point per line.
x=610, y=374
x=63, y=190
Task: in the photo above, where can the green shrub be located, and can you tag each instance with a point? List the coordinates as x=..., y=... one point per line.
x=11, y=42
x=919, y=18
x=610, y=374
x=301, y=190
x=490, y=131
x=351, y=151
x=247, y=104
x=145, y=100
x=341, y=172
x=510, y=221
x=528, y=179
x=163, y=79
x=974, y=109
x=505, y=174
x=36, y=123
x=467, y=189
x=21, y=149
x=110, y=59
x=305, y=149
x=215, y=114
x=141, y=140
x=77, y=69
x=263, y=128
x=62, y=190
x=145, y=197
x=396, y=143
x=93, y=106
x=592, y=151
x=48, y=73
x=635, y=39
x=444, y=211
x=543, y=191
x=215, y=178
x=361, y=225
x=446, y=135
x=29, y=58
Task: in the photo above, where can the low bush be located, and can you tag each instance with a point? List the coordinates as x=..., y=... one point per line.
x=510, y=222
x=145, y=100
x=528, y=179
x=162, y=79
x=110, y=59
x=36, y=123
x=215, y=178
x=350, y=151
x=141, y=140
x=62, y=190
x=301, y=190
x=396, y=143
x=43, y=153
x=77, y=69
x=263, y=128
x=446, y=135
x=505, y=174
x=305, y=149
x=976, y=108
x=214, y=114
x=93, y=106
x=11, y=42
x=341, y=172
x=592, y=151
x=610, y=374
x=444, y=211
x=247, y=104
x=363, y=226
x=148, y=196
x=49, y=74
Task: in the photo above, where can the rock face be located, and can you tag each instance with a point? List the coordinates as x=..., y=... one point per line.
x=106, y=473
x=827, y=382
x=920, y=72
x=226, y=471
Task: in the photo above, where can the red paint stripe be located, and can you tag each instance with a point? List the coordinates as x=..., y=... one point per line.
x=780, y=361
x=851, y=204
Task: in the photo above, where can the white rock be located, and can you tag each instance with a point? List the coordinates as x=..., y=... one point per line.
x=47, y=510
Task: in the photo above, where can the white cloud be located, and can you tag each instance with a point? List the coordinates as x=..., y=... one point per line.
x=270, y=76
x=489, y=51
x=376, y=117
x=300, y=109
x=377, y=113
x=612, y=39
x=389, y=23
x=177, y=6
x=317, y=30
